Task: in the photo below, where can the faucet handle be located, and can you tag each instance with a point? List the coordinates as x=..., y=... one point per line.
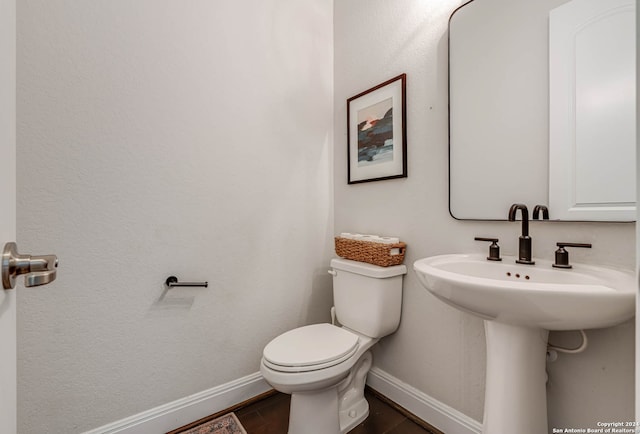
x=494, y=248
x=562, y=256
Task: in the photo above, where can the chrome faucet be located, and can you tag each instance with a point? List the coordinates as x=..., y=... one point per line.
x=524, y=242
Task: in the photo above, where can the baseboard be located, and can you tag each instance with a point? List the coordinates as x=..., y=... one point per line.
x=183, y=411
x=432, y=411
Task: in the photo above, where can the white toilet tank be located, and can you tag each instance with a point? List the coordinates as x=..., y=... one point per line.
x=367, y=298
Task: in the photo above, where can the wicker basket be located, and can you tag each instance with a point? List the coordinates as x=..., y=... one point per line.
x=370, y=252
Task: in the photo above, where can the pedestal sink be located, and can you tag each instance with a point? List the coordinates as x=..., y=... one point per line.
x=520, y=304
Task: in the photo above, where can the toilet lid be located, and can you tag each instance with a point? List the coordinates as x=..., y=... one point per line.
x=308, y=347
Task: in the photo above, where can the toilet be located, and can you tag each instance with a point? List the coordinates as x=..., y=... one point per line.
x=324, y=366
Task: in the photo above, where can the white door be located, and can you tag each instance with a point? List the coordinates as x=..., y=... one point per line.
x=7, y=211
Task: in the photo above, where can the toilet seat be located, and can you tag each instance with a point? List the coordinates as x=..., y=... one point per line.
x=310, y=348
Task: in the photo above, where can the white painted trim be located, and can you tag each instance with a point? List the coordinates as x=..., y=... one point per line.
x=178, y=413
x=432, y=411
x=183, y=411
x=574, y=120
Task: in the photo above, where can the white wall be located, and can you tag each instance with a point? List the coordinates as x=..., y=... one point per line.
x=437, y=349
x=637, y=341
x=159, y=138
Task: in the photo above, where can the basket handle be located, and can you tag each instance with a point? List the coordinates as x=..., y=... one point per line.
x=401, y=246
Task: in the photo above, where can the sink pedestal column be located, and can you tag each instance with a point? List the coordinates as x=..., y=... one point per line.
x=515, y=392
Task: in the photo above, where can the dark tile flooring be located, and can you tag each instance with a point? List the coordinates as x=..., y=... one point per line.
x=271, y=416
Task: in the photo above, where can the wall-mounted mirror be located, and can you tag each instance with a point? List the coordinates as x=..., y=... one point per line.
x=527, y=129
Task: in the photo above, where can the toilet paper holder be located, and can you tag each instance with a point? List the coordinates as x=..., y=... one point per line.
x=173, y=282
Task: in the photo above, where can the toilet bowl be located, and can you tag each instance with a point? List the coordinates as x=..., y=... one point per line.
x=323, y=366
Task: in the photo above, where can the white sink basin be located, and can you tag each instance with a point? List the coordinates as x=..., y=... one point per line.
x=520, y=304
x=531, y=295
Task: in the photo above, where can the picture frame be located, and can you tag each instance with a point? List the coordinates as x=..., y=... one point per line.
x=376, y=133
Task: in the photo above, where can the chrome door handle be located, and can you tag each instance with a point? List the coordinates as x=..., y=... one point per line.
x=37, y=270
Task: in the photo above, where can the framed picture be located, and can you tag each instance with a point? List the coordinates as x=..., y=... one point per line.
x=376, y=133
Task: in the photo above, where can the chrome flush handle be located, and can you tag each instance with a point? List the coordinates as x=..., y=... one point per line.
x=37, y=270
